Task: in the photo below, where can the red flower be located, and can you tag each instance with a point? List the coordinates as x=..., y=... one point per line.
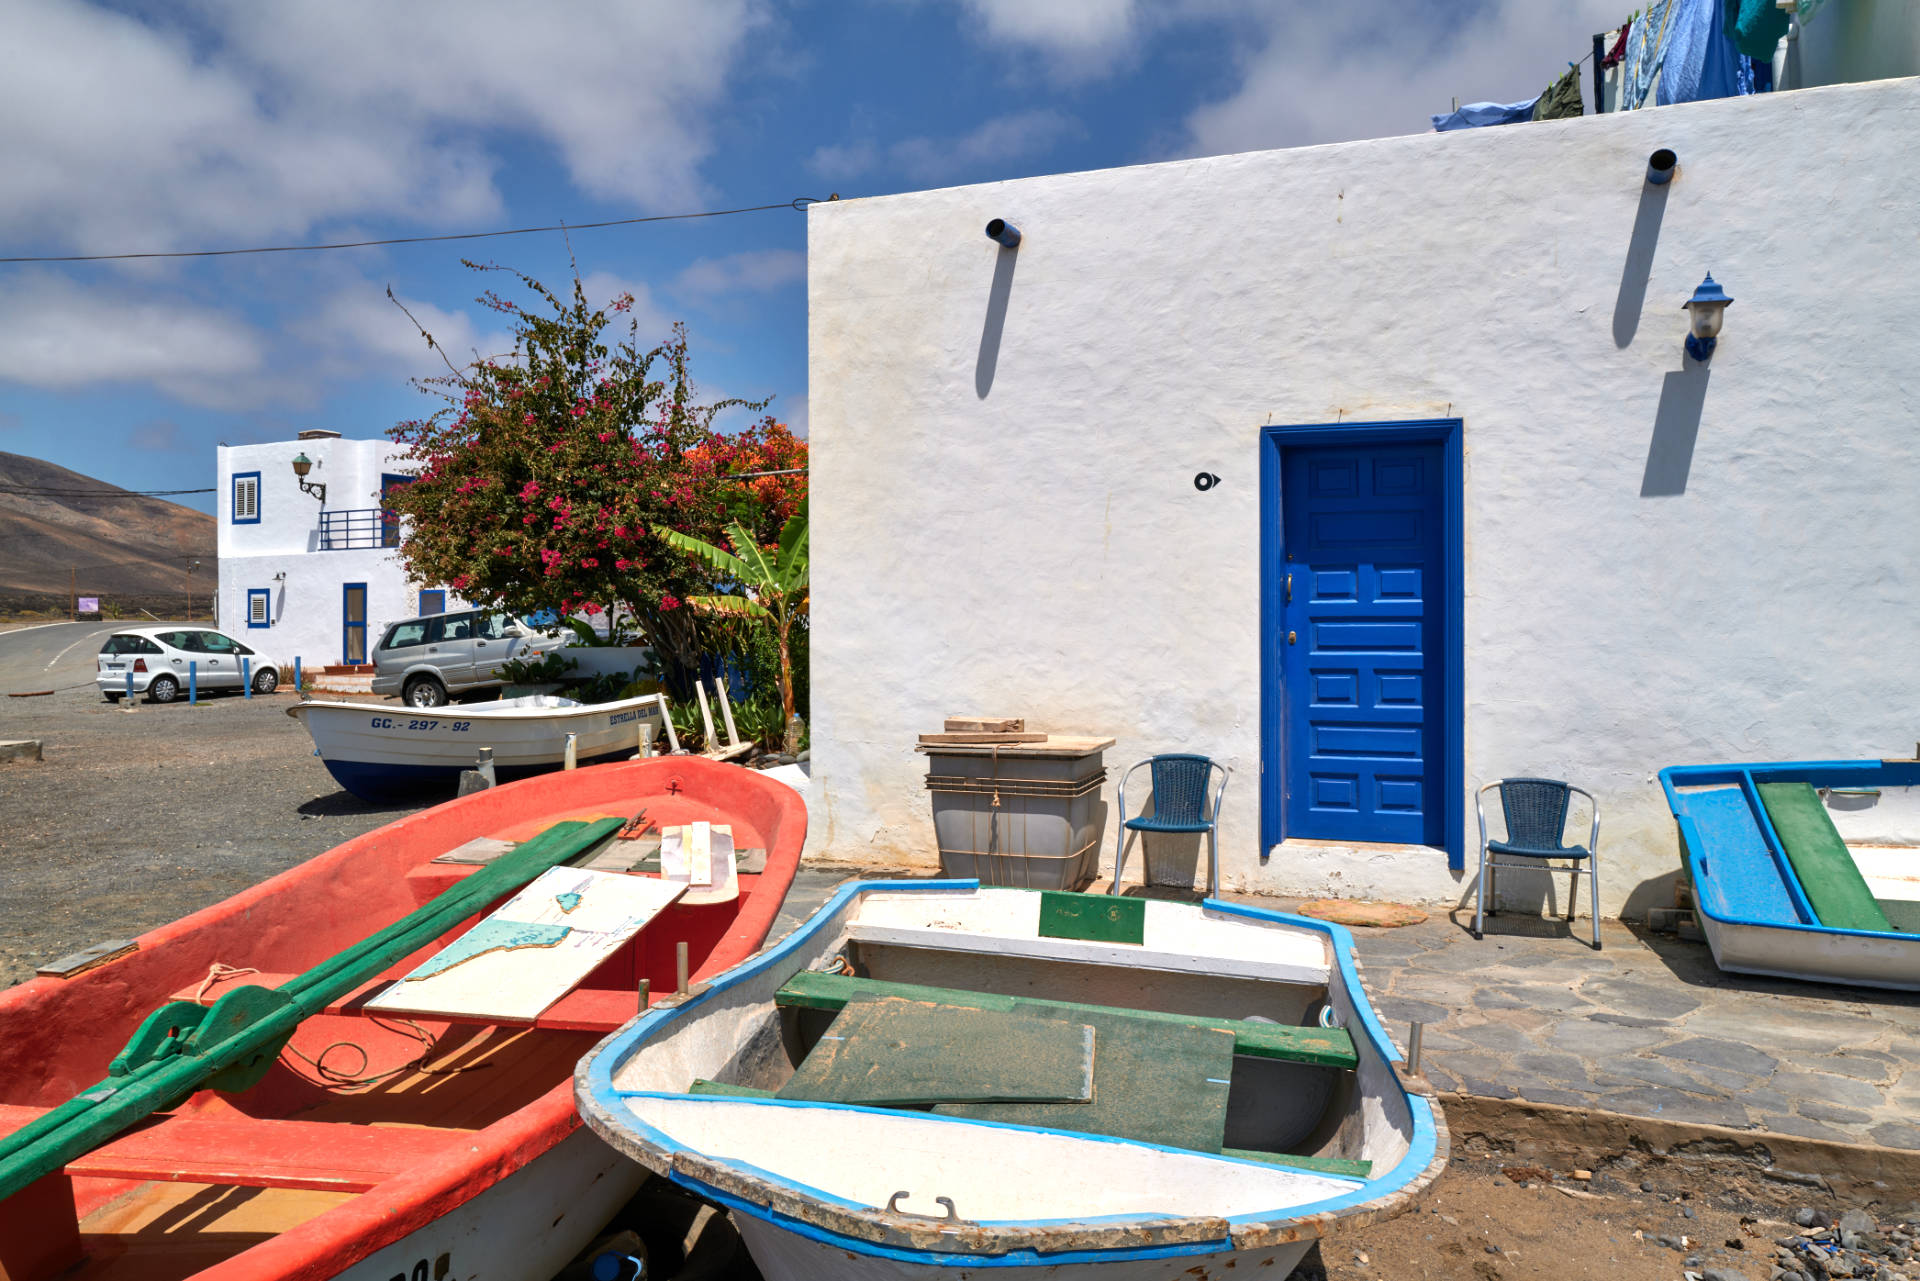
x=669, y=601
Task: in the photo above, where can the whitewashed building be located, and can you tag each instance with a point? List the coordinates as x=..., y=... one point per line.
x=308, y=565
x=1377, y=471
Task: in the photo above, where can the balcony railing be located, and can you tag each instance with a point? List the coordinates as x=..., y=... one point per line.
x=368, y=527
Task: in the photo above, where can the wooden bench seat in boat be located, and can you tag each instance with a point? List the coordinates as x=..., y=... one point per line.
x=1837, y=892
x=318, y=1156
x=1321, y=1047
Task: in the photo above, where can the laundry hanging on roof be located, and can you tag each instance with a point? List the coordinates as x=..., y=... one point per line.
x=1646, y=46
x=1700, y=62
x=1563, y=100
x=1619, y=50
x=1755, y=27
x=1478, y=115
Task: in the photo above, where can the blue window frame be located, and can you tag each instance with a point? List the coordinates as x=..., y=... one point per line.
x=1446, y=432
x=389, y=519
x=353, y=624
x=259, y=607
x=245, y=507
x=433, y=600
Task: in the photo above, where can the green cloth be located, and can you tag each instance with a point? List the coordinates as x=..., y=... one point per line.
x=1834, y=887
x=1755, y=27
x=1153, y=1082
x=1562, y=101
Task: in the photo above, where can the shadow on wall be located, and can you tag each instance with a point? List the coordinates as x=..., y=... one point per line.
x=997, y=297
x=1639, y=265
x=1676, y=426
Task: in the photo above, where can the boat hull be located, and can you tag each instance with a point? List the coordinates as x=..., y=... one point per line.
x=806, y=1181
x=528, y=1225
x=518, y=1186
x=1749, y=903
x=383, y=753
x=784, y=1255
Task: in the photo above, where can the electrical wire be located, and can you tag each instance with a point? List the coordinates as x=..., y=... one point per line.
x=798, y=203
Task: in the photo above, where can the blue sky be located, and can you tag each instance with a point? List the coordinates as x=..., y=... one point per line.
x=198, y=124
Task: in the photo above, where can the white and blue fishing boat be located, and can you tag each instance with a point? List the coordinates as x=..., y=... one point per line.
x=1805, y=869
x=381, y=752
x=931, y=1078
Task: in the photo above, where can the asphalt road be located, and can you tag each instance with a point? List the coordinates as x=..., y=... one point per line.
x=136, y=818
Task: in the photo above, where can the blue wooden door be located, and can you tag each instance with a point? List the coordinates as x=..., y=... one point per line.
x=1361, y=645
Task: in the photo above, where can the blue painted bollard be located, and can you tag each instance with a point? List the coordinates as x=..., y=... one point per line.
x=246, y=676
x=129, y=684
x=296, y=673
x=193, y=681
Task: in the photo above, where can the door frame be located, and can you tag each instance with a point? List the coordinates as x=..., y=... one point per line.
x=347, y=623
x=1447, y=433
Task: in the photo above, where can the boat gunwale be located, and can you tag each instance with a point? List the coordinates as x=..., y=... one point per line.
x=482, y=714
x=804, y=1209
x=337, y=1238
x=1744, y=777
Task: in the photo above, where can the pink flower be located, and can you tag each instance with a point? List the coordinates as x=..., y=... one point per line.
x=589, y=562
x=623, y=563
x=590, y=609
x=669, y=601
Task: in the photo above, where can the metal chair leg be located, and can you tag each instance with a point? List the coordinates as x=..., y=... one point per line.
x=1480, y=896
x=1573, y=893
x=1593, y=896
x=1213, y=861
x=1119, y=859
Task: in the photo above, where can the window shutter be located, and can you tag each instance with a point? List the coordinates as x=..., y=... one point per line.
x=257, y=608
x=246, y=498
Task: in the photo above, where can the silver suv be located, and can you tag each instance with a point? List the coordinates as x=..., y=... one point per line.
x=426, y=660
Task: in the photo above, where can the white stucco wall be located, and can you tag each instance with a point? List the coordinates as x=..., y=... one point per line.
x=307, y=620
x=1031, y=543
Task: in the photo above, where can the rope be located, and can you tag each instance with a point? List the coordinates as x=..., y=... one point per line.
x=219, y=973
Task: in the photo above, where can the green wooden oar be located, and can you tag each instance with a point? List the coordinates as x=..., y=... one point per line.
x=183, y=1046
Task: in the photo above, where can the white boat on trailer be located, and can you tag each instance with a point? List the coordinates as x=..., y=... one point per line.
x=1241, y=1035
x=383, y=752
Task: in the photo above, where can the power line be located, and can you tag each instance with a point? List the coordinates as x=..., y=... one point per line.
x=798, y=203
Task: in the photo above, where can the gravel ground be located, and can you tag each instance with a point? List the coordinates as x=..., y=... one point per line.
x=136, y=818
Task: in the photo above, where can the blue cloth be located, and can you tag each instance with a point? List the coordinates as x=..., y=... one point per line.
x=1701, y=62
x=1646, y=43
x=1477, y=115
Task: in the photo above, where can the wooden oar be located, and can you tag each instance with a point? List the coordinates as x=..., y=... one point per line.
x=183, y=1047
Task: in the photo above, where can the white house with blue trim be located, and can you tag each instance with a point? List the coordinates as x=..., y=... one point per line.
x=308, y=566
x=1378, y=471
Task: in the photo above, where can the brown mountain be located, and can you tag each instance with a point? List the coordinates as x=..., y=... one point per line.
x=59, y=527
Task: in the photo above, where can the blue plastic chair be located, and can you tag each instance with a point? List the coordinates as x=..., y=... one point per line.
x=1536, y=814
x=1181, y=784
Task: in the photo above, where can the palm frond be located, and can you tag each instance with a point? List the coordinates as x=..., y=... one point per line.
x=737, y=605
x=719, y=558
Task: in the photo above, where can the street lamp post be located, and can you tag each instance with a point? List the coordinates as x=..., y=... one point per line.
x=191, y=566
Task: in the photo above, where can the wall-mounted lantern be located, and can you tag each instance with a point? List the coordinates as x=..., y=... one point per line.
x=1709, y=307
x=301, y=466
x=1004, y=232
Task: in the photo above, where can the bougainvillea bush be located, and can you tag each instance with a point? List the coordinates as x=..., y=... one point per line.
x=545, y=479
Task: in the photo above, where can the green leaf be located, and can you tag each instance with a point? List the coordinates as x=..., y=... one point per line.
x=719, y=559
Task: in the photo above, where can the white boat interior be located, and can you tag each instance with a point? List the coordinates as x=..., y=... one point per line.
x=1305, y=1112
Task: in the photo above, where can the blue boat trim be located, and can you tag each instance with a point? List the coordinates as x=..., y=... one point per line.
x=618, y=1049
x=1819, y=773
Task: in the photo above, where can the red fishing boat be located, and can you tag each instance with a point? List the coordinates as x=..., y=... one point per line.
x=371, y=1143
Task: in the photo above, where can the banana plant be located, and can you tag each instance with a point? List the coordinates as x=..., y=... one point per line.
x=771, y=587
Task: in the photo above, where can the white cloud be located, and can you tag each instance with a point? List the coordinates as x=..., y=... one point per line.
x=755, y=271
x=55, y=335
x=994, y=145
x=229, y=120
x=1079, y=37
x=160, y=436
x=359, y=325
x=1374, y=68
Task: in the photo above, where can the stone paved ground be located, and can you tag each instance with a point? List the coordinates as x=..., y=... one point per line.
x=1647, y=1026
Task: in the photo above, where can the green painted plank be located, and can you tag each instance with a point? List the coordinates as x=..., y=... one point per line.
x=704, y=1086
x=886, y=1051
x=1835, y=889
x=1318, y=1046
x=1317, y=1164
x=1153, y=1082
x=1102, y=918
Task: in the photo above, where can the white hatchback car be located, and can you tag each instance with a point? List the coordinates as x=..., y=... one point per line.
x=156, y=659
